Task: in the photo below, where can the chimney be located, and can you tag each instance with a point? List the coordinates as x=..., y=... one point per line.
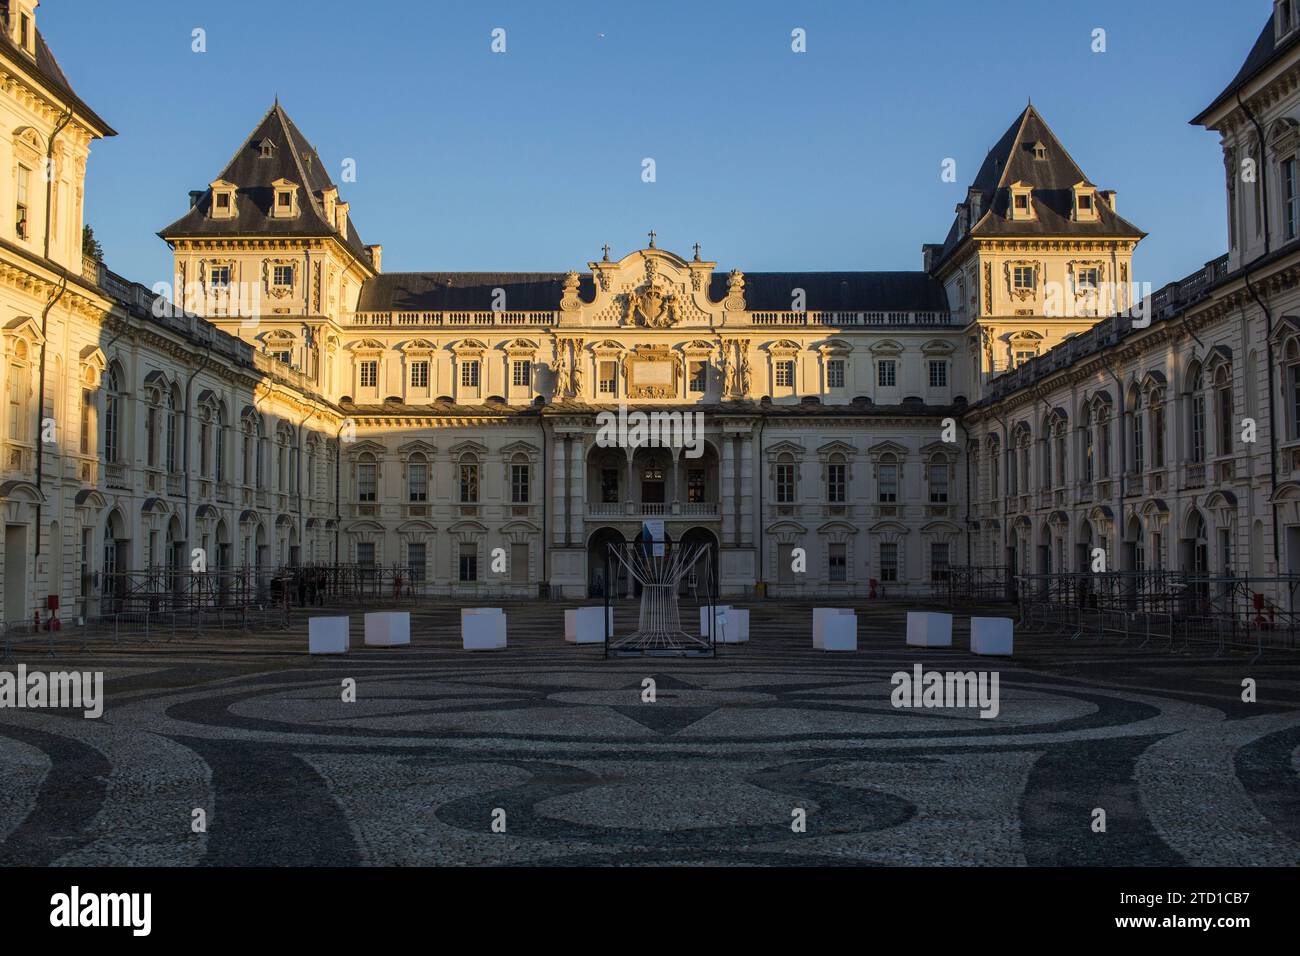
x=1109, y=197
x=341, y=219
x=376, y=257
x=975, y=199
x=195, y=196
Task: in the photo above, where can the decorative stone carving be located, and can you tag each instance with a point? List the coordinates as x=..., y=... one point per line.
x=570, y=302
x=735, y=300
x=742, y=383
x=654, y=304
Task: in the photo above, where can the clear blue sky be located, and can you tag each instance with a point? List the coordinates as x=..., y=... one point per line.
x=531, y=160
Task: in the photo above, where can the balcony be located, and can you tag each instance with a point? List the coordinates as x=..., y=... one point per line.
x=175, y=485
x=115, y=476
x=1195, y=476
x=647, y=509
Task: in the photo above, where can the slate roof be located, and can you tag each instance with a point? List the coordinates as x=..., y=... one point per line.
x=48, y=71
x=1262, y=55
x=295, y=160
x=542, y=291
x=1053, y=180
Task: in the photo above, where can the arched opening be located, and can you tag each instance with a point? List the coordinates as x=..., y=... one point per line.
x=117, y=562
x=1196, y=553
x=702, y=580
x=601, y=568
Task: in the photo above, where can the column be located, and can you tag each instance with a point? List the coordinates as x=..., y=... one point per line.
x=630, y=497
x=577, y=488
x=559, y=482
x=727, y=484
x=747, y=479
x=674, y=497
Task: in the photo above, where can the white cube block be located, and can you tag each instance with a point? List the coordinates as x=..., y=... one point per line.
x=821, y=615
x=840, y=633
x=929, y=629
x=719, y=611
x=482, y=628
x=738, y=626
x=388, y=628
x=327, y=635
x=583, y=625
x=991, y=636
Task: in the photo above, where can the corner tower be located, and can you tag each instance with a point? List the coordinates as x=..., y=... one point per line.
x=1036, y=252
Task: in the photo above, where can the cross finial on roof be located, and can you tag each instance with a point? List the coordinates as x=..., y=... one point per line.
x=652, y=238
x=697, y=252
x=605, y=250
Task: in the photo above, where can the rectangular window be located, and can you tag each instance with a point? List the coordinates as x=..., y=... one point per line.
x=367, y=488
x=835, y=373
x=837, y=564
x=888, y=562
x=836, y=484
x=468, y=561
x=469, y=484
x=785, y=484
x=369, y=374
x=87, y=420
x=222, y=201
x=420, y=374
x=1024, y=278
x=417, y=481
x=1198, y=428
x=1025, y=355
x=366, y=554
x=939, y=484
x=938, y=374
x=416, y=562
x=1225, y=421
x=1295, y=401
x=699, y=377
x=282, y=277
x=521, y=373
x=519, y=484
x=219, y=277
x=888, y=483
x=1158, y=437
x=695, y=486
x=283, y=356
x=886, y=373
x=785, y=374
x=609, y=486
x=1087, y=280
x=608, y=378
x=21, y=186
x=469, y=374
x=939, y=561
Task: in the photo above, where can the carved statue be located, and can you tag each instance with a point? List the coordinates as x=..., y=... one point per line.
x=563, y=377
x=744, y=366
x=575, y=370
x=726, y=370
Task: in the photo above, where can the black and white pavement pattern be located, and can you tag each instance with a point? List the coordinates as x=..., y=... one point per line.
x=255, y=733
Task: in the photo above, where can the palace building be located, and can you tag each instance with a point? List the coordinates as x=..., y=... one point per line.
x=1012, y=403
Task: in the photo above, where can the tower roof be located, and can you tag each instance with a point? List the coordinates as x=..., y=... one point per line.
x=1016, y=159
x=254, y=175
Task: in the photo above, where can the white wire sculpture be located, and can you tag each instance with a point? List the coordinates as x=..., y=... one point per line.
x=659, y=628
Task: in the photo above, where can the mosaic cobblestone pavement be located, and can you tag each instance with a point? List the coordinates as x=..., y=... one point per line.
x=254, y=732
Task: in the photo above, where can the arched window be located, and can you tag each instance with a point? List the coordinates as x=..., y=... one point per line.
x=1137, y=426
x=837, y=479
x=1101, y=417
x=1196, y=418
x=219, y=444
x=1047, y=473
x=887, y=479
x=995, y=467
x=367, y=478
x=172, y=427
x=417, y=478
x=938, y=479
x=1089, y=449
x=19, y=390
x=113, y=416
x=1291, y=382
x=469, y=478
x=1223, y=406
x=521, y=479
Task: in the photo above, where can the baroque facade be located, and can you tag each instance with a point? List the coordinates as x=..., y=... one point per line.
x=299, y=405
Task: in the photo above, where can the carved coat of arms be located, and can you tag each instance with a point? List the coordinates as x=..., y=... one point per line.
x=654, y=305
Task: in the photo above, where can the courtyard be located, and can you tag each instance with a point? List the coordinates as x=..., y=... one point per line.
x=558, y=748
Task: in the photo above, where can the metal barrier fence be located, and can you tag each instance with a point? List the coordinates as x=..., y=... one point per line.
x=1169, y=609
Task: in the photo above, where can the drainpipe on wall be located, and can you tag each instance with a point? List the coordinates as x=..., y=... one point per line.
x=1268, y=333
x=64, y=120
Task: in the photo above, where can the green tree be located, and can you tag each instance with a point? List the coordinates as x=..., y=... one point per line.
x=90, y=245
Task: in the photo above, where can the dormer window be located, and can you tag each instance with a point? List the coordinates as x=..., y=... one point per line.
x=223, y=200
x=1022, y=202
x=1085, y=203
x=266, y=149
x=1040, y=151
x=285, y=204
x=1285, y=17
x=24, y=31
